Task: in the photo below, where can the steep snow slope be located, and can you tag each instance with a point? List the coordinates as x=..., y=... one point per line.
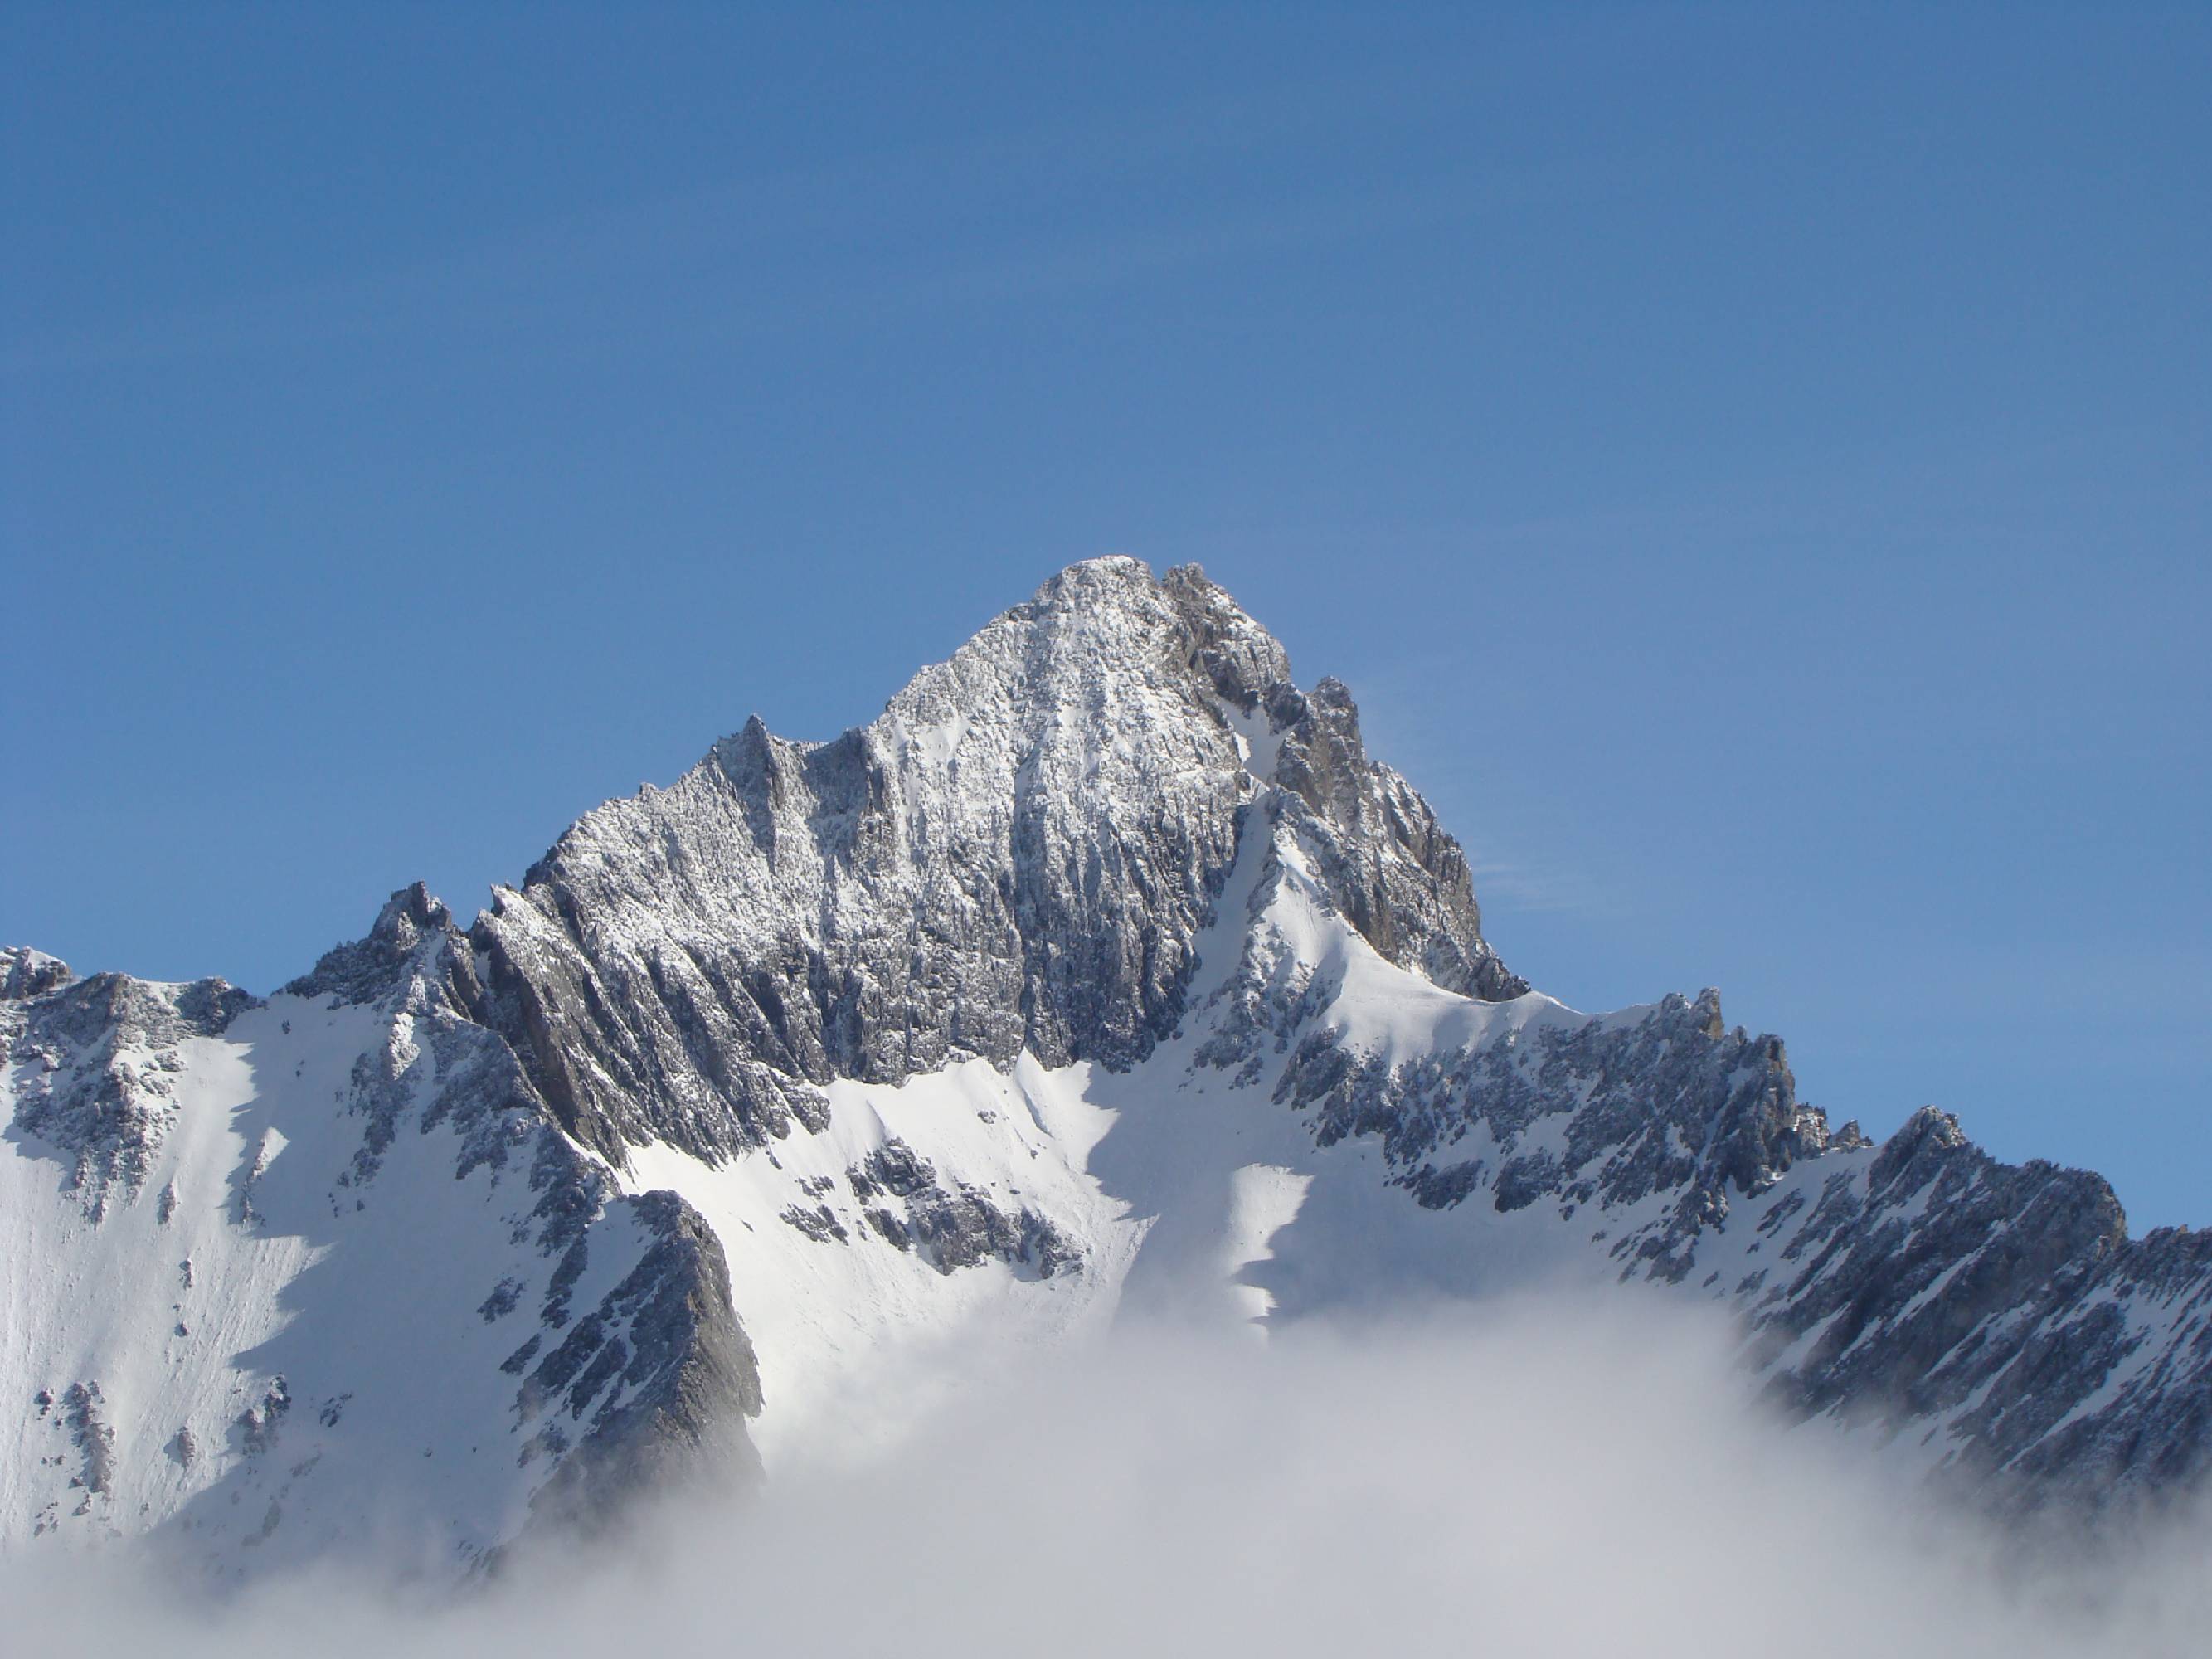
x=277, y=1276
x=1103, y=970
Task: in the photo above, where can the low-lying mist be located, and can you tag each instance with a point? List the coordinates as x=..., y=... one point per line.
x=1538, y=1478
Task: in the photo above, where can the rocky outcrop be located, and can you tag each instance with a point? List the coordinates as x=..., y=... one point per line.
x=96, y=1062
x=951, y=1226
x=1376, y=848
x=659, y=1375
x=27, y=973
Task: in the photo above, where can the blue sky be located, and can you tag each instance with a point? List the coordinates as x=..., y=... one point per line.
x=1752, y=465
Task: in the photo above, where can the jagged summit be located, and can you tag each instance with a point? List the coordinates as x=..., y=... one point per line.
x=27, y=973
x=1104, y=968
x=1018, y=855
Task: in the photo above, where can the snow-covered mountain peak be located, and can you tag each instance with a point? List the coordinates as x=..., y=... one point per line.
x=1019, y=854
x=1101, y=648
x=1095, y=641
x=1104, y=966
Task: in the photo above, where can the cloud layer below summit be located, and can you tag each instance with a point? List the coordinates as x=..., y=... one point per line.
x=1531, y=1479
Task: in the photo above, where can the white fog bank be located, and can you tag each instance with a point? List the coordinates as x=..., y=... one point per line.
x=1531, y=1479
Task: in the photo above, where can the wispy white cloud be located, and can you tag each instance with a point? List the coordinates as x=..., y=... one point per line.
x=1535, y=888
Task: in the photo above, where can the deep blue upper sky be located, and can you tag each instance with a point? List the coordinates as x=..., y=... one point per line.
x=1751, y=464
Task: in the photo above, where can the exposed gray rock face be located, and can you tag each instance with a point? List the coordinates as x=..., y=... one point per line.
x=97, y=1061
x=81, y=1409
x=952, y=1227
x=1376, y=847
x=2008, y=1302
x=670, y=1369
x=1020, y=853
x=27, y=973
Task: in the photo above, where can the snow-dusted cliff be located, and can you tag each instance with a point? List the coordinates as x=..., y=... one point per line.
x=320, y=1271
x=1104, y=968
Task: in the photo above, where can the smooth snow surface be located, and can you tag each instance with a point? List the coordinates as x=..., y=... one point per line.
x=278, y=1355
